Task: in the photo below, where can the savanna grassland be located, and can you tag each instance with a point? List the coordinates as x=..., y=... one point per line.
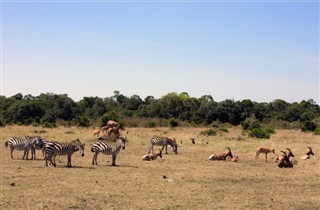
x=183, y=181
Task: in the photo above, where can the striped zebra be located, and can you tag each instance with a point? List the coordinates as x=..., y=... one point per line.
x=53, y=149
x=164, y=142
x=108, y=148
x=24, y=144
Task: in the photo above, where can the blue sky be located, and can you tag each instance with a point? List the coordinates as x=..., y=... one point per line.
x=231, y=50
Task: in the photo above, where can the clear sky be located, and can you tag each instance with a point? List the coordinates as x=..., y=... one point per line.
x=258, y=50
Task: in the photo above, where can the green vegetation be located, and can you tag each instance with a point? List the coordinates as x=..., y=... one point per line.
x=172, y=110
x=208, y=132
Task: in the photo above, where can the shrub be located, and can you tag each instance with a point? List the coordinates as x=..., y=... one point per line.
x=83, y=121
x=110, y=116
x=49, y=125
x=224, y=130
x=150, y=124
x=173, y=123
x=261, y=133
x=316, y=131
x=308, y=126
x=208, y=132
x=250, y=123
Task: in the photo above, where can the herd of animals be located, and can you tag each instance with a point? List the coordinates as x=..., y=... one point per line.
x=111, y=143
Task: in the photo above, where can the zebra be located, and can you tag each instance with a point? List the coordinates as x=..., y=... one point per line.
x=108, y=148
x=39, y=147
x=24, y=144
x=164, y=142
x=52, y=149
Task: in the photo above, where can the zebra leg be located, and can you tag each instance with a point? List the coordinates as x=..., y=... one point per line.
x=151, y=148
x=114, y=156
x=94, y=159
x=25, y=156
x=11, y=151
x=69, y=161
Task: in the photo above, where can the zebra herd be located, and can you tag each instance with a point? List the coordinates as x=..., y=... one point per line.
x=51, y=149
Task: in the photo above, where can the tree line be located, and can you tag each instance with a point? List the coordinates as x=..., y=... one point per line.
x=49, y=109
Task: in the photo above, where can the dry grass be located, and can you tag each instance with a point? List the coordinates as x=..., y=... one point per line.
x=192, y=182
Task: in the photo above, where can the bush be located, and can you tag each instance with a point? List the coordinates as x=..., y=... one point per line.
x=316, y=131
x=224, y=130
x=308, y=126
x=250, y=123
x=173, y=123
x=150, y=124
x=261, y=133
x=49, y=125
x=83, y=121
x=208, y=132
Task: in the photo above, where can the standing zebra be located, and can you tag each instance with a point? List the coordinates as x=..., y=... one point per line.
x=52, y=149
x=164, y=142
x=23, y=144
x=108, y=148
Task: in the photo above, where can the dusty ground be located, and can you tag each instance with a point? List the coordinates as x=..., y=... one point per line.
x=184, y=181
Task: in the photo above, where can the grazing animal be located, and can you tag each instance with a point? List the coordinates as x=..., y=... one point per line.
x=53, y=149
x=96, y=133
x=290, y=154
x=110, y=124
x=150, y=157
x=108, y=148
x=307, y=155
x=164, y=142
x=264, y=151
x=284, y=161
x=20, y=144
x=221, y=155
x=38, y=145
x=111, y=134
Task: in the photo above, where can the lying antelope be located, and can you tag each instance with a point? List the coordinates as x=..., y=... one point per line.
x=221, y=155
x=284, y=161
x=290, y=154
x=96, y=133
x=193, y=141
x=307, y=155
x=150, y=157
x=264, y=151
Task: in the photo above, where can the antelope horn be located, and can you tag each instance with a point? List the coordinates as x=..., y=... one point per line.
x=288, y=149
x=284, y=153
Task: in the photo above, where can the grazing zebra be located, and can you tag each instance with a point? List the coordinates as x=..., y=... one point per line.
x=52, y=149
x=23, y=144
x=164, y=142
x=108, y=148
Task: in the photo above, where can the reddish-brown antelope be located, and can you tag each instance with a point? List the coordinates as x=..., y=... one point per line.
x=284, y=160
x=221, y=155
x=264, y=151
x=96, y=133
x=150, y=157
x=307, y=155
x=290, y=154
x=110, y=124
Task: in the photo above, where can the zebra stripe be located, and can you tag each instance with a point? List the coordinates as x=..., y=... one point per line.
x=108, y=148
x=24, y=144
x=164, y=142
x=53, y=149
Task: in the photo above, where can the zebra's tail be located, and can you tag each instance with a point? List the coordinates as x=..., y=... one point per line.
x=6, y=144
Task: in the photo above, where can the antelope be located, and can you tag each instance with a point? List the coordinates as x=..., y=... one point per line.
x=110, y=124
x=193, y=141
x=307, y=155
x=96, y=133
x=279, y=158
x=150, y=157
x=284, y=160
x=265, y=151
x=221, y=155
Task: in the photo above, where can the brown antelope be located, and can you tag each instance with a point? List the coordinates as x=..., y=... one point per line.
x=150, y=157
x=264, y=151
x=307, y=155
x=284, y=160
x=221, y=155
x=284, y=156
x=193, y=141
x=110, y=124
x=96, y=133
